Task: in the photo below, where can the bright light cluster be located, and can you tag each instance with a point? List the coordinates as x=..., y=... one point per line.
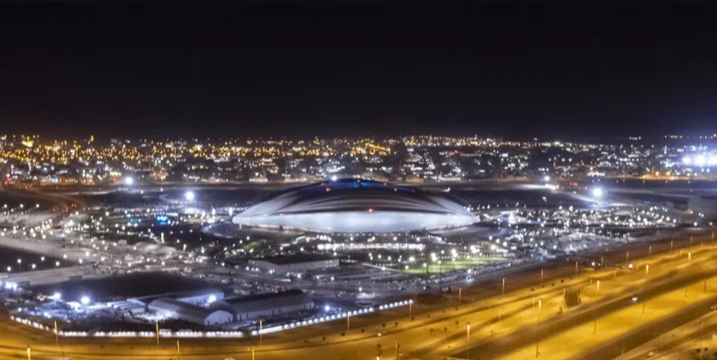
x=322, y=319
x=700, y=160
x=129, y=334
x=212, y=334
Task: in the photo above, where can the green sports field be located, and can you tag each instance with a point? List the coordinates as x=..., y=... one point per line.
x=448, y=265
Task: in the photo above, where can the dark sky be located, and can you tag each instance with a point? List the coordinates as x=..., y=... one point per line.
x=282, y=69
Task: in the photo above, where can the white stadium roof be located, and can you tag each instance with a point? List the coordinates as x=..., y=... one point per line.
x=356, y=206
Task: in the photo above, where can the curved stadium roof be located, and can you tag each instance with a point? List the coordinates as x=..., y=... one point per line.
x=356, y=206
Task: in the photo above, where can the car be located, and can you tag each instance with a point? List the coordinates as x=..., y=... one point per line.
x=379, y=334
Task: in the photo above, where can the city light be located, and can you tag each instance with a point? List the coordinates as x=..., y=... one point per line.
x=597, y=192
x=128, y=180
x=56, y=296
x=85, y=300
x=211, y=299
x=700, y=160
x=189, y=195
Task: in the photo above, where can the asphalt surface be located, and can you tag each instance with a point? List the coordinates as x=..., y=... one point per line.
x=524, y=337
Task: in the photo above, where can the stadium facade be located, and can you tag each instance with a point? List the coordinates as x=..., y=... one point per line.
x=356, y=206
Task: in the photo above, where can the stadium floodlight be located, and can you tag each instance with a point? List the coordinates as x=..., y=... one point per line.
x=547, y=178
x=597, y=192
x=211, y=299
x=713, y=160
x=700, y=160
x=189, y=195
x=334, y=177
x=56, y=296
x=128, y=180
x=85, y=300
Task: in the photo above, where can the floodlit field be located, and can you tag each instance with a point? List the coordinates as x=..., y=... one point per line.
x=251, y=245
x=448, y=265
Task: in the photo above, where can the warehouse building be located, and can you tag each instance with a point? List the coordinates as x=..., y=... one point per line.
x=196, y=297
x=294, y=263
x=190, y=312
x=266, y=306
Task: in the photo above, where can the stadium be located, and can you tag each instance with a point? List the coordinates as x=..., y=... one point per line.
x=356, y=206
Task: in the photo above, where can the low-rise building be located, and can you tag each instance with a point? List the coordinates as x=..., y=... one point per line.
x=266, y=306
x=191, y=313
x=295, y=263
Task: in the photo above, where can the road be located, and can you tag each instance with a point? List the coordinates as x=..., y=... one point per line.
x=607, y=336
x=679, y=343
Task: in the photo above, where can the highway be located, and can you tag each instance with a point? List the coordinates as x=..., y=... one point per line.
x=607, y=336
x=680, y=342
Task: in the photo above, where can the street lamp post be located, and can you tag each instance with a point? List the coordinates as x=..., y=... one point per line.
x=440, y=275
x=261, y=333
x=644, y=284
x=29, y=353
x=576, y=268
x=502, y=291
x=537, y=341
x=541, y=278
x=460, y=292
x=468, y=336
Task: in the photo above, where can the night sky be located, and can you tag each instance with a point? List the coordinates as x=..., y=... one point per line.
x=334, y=70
